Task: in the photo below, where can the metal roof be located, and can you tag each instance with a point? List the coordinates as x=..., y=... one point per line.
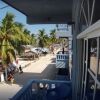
x=44, y=11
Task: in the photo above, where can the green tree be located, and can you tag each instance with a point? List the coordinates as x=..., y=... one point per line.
x=42, y=38
x=6, y=32
x=33, y=39
x=23, y=37
x=53, y=36
x=11, y=33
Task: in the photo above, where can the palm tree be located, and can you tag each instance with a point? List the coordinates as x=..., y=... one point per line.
x=24, y=33
x=53, y=36
x=33, y=39
x=6, y=32
x=27, y=34
x=23, y=37
x=42, y=38
x=11, y=33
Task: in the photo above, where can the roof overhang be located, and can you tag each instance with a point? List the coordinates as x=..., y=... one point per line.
x=90, y=32
x=44, y=11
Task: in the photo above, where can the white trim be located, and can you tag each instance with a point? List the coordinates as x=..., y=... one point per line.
x=90, y=32
x=84, y=56
x=97, y=67
x=94, y=77
x=86, y=69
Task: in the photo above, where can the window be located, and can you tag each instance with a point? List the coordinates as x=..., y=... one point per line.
x=93, y=54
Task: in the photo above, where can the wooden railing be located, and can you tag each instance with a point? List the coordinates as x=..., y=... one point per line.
x=44, y=89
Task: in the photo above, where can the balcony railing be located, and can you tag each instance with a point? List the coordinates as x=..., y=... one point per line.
x=62, y=60
x=45, y=90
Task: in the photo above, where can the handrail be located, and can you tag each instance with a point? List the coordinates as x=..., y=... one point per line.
x=62, y=56
x=22, y=91
x=26, y=91
x=62, y=60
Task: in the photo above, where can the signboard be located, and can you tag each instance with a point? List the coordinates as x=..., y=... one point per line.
x=63, y=27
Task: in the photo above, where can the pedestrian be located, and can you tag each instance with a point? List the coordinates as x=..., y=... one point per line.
x=20, y=69
x=52, y=50
x=63, y=50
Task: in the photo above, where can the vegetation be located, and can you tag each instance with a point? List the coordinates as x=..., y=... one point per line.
x=42, y=38
x=53, y=36
x=13, y=35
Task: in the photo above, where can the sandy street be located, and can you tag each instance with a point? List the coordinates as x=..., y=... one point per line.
x=44, y=68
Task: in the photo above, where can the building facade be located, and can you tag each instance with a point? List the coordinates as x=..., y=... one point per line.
x=86, y=84
x=83, y=15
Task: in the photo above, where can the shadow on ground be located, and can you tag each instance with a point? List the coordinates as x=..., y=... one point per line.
x=53, y=60
x=49, y=73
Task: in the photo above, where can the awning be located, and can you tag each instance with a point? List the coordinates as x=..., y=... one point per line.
x=44, y=11
x=90, y=32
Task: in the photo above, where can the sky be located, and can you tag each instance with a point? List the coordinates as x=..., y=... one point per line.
x=19, y=17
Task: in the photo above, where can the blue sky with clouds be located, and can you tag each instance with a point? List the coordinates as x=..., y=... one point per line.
x=22, y=18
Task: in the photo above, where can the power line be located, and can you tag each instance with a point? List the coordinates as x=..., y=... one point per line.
x=4, y=7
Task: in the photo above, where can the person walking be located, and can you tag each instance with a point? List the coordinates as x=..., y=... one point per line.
x=20, y=69
x=52, y=50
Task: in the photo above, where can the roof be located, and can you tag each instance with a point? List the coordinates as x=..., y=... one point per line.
x=90, y=32
x=44, y=11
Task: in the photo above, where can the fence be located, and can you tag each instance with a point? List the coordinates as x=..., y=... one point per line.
x=62, y=60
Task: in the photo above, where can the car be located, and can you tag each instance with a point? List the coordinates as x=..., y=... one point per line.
x=37, y=50
x=45, y=50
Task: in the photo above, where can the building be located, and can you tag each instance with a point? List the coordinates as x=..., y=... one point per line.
x=83, y=16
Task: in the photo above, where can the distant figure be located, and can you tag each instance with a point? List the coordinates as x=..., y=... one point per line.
x=20, y=69
x=63, y=50
x=52, y=49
